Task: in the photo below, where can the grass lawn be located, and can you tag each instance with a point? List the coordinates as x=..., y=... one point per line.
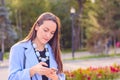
x=95, y=56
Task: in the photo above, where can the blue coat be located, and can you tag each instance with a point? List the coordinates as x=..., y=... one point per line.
x=18, y=53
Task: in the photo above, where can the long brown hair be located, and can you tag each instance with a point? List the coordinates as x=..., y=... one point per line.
x=55, y=41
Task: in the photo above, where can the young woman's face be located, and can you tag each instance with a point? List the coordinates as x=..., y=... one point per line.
x=45, y=31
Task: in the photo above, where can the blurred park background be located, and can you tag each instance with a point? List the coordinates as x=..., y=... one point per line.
x=87, y=25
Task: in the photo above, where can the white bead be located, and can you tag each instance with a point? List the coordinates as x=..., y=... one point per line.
x=39, y=58
x=47, y=58
x=47, y=53
x=43, y=59
x=34, y=45
x=37, y=53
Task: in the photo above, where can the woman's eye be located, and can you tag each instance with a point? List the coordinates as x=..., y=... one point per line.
x=45, y=30
x=52, y=33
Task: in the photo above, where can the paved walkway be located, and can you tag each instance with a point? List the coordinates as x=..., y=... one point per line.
x=72, y=64
x=4, y=70
x=82, y=54
x=75, y=64
x=101, y=62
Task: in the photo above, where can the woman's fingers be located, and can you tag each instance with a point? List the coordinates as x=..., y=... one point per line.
x=54, y=69
x=43, y=64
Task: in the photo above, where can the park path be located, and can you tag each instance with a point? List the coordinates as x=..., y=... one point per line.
x=70, y=64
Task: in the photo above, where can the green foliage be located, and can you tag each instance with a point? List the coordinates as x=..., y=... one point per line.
x=95, y=56
x=28, y=11
x=6, y=55
x=96, y=19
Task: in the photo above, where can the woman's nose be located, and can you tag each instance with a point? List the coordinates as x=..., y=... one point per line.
x=48, y=35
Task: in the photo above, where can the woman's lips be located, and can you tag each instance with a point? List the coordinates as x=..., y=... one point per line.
x=46, y=39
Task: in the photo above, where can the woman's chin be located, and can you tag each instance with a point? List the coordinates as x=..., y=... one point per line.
x=44, y=42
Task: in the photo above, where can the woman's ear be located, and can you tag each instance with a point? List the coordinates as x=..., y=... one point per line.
x=36, y=27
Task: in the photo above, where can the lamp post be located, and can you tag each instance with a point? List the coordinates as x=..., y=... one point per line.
x=93, y=1
x=72, y=11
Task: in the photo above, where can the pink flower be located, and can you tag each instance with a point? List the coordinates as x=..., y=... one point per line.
x=89, y=78
x=99, y=75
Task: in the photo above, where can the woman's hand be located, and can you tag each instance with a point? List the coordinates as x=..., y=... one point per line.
x=39, y=68
x=42, y=69
x=53, y=74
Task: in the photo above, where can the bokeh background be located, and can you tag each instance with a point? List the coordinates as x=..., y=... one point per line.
x=90, y=29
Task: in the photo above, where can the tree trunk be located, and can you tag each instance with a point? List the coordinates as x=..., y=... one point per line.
x=79, y=35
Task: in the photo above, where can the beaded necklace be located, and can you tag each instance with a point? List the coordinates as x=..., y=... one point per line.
x=38, y=53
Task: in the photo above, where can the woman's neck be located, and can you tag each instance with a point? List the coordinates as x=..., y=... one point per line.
x=39, y=45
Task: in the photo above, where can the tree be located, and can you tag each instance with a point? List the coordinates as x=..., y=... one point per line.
x=23, y=16
x=110, y=19
x=6, y=31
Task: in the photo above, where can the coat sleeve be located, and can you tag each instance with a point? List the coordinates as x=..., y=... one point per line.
x=16, y=71
x=61, y=76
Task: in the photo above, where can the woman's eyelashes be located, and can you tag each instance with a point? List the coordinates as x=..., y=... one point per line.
x=47, y=30
x=52, y=33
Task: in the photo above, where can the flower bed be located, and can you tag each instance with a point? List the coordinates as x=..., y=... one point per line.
x=91, y=73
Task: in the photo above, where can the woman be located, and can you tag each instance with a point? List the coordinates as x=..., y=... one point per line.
x=37, y=57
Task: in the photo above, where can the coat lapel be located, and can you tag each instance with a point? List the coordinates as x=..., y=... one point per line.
x=31, y=57
x=30, y=54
